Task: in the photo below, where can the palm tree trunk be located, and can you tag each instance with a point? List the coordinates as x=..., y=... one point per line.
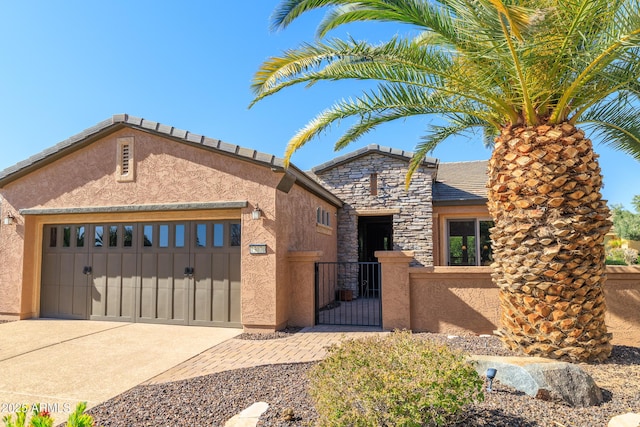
x=550, y=223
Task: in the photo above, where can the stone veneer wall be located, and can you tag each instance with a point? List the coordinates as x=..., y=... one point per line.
x=412, y=226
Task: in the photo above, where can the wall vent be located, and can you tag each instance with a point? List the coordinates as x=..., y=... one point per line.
x=125, y=166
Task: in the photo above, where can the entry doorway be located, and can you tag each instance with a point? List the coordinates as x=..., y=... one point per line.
x=375, y=233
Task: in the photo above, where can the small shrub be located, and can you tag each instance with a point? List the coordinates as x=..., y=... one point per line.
x=43, y=418
x=622, y=256
x=615, y=243
x=630, y=256
x=393, y=380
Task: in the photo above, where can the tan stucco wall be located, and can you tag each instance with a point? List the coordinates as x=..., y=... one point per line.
x=302, y=308
x=396, y=291
x=298, y=231
x=464, y=300
x=165, y=172
x=454, y=300
x=622, y=293
x=11, y=249
x=440, y=216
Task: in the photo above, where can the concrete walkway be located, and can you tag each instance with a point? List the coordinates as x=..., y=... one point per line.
x=59, y=363
x=305, y=346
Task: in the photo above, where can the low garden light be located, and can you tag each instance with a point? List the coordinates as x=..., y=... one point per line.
x=491, y=374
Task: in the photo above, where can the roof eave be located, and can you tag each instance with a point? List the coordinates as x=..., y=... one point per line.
x=429, y=162
x=460, y=202
x=59, y=150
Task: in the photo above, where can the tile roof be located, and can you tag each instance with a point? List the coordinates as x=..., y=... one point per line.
x=461, y=183
x=119, y=121
x=430, y=162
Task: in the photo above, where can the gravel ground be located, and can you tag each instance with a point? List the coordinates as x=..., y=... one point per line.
x=211, y=400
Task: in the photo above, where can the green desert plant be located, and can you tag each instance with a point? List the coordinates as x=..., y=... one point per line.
x=38, y=418
x=43, y=418
x=394, y=380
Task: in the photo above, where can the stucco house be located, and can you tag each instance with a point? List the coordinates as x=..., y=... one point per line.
x=133, y=220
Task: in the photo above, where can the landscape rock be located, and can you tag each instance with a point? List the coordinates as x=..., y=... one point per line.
x=626, y=420
x=543, y=378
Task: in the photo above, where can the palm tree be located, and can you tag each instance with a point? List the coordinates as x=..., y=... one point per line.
x=526, y=73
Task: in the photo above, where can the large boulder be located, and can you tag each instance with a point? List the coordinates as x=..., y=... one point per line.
x=626, y=420
x=543, y=378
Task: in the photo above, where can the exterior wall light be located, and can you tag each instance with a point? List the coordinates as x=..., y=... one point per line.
x=257, y=213
x=258, y=249
x=9, y=219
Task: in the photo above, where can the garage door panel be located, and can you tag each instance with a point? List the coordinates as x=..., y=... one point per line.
x=180, y=290
x=220, y=275
x=114, y=285
x=50, y=289
x=202, y=288
x=138, y=272
x=99, y=285
x=128, y=286
x=235, y=285
x=165, y=286
x=72, y=298
x=147, y=300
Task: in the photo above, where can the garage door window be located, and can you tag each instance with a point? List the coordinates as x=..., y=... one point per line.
x=98, y=236
x=80, y=236
x=163, y=235
x=201, y=235
x=179, y=236
x=236, y=234
x=113, y=236
x=53, y=237
x=66, y=237
x=148, y=235
x=128, y=236
x=218, y=235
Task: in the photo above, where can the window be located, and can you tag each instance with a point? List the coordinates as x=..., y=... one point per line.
x=113, y=236
x=236, y=234
x=128, y=236
x=468, y=242
x=98, y=235
x=323, y=217
x=218, y=235
x=373, y=184
x=179, y=236
x=124, y=169
x=201, y=235
x=163, y=236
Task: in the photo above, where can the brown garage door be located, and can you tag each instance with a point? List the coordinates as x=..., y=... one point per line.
x=169, y=272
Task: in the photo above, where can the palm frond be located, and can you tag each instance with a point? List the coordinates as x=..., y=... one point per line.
x=436, y=134
x=499, y=62
x=616, y=123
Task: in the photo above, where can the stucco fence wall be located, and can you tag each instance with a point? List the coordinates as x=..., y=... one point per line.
x=456, y=300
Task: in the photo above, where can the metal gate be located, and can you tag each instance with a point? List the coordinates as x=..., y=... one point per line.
x=348, y=293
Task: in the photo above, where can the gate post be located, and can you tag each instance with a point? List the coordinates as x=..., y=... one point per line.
x=396, y=292
x=302, y=284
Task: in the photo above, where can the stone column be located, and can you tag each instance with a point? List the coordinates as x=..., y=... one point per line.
x=396, y=295
x=302, y=286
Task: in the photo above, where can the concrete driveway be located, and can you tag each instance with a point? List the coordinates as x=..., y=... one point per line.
x=59, y=363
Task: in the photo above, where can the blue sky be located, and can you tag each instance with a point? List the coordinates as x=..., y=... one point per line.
x=69, y=64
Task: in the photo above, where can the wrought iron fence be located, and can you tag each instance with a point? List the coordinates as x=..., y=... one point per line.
x=348, y=293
